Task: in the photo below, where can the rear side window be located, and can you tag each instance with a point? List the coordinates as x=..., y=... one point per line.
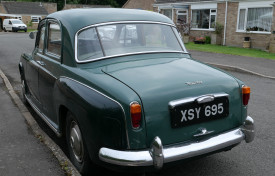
x=54, y=39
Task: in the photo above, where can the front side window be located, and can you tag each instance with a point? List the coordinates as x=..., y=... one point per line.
x=41, y=39
x=54, y=39
x=255, y=19
x=120, y=39
x=203, y=18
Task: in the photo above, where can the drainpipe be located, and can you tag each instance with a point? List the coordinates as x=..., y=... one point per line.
x=225, y=23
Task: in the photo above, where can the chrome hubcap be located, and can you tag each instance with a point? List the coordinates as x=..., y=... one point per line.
x=76, y=142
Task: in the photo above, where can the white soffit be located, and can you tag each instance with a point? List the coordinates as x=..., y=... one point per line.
x=256, y=4
x=204, y=6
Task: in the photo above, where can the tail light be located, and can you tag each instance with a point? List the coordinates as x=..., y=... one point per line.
x=246, y=94
x=135, y=114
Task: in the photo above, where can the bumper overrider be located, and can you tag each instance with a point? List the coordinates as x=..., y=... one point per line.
x=157, y=155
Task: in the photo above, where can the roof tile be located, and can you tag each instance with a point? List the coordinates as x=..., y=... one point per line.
x=32, y=8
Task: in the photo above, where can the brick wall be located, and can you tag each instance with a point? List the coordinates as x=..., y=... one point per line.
x=2, y=10
x=27, y=19
x=139, y=4
x=199, y=33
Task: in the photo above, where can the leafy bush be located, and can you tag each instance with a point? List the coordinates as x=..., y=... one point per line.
x=207, y=39
x=218, y=28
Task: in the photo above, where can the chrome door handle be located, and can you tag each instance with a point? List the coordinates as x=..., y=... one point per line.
x=41, y=63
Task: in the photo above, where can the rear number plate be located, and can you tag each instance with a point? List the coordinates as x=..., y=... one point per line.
x=192, y=112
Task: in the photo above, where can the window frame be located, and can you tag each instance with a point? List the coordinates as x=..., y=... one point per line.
x=48, y=53
x=41, y=24
x=36, y=17
x=184, y=50
x=210, y=14
x=179, y=13
x=242, y=7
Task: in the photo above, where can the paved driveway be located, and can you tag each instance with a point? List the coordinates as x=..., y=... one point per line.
x=258, y=65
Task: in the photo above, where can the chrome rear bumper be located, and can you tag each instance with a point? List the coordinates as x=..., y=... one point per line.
x=157, y=155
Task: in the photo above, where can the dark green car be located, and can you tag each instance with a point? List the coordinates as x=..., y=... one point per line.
x=120, y=85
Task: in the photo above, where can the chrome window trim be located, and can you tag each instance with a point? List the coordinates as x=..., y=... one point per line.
x=126, y=54
x=174, y=103
x=46, y=52
x=128, y=144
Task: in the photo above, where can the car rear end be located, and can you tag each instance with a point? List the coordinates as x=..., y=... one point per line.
x=189, y=110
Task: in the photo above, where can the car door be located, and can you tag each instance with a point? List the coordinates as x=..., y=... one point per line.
x=31, y=74
x=50, y=67
x=9, y=26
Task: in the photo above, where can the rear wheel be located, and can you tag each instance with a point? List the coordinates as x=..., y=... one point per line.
x=5, y=30
x=76, y=146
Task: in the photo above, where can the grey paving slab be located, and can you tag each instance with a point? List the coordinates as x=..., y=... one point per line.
x=258, y=65
x=21, y=153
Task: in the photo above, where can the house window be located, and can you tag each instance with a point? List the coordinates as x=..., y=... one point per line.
x=255, y=19
x=204, y=18
x=182, y=16
x=168, y=13
x=35, y=19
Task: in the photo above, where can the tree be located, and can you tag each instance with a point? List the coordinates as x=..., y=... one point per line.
x=61, y=3
x=113, y=3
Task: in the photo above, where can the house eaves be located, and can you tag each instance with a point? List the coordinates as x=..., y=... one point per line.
x=162, y=2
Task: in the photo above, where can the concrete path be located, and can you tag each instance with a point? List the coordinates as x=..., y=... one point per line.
x=257, y=65
x=21, y=153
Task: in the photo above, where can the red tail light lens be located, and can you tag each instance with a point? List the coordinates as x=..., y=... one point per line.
x=135, y=114
x=246, y=94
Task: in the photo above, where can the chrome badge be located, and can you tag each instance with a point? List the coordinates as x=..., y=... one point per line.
x=193, y=83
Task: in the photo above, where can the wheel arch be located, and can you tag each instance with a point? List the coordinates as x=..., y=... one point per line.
x=89, y=108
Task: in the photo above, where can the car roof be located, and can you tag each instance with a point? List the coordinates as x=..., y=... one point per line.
x=76, y=19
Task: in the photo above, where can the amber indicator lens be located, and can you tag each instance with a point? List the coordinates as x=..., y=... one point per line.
x=136, y=115
x=246, y=94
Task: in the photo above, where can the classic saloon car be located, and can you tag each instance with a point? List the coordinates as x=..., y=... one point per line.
x=121, y=87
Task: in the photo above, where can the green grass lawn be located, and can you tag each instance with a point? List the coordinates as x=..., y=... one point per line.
x=230, y=50
x=29, y=30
